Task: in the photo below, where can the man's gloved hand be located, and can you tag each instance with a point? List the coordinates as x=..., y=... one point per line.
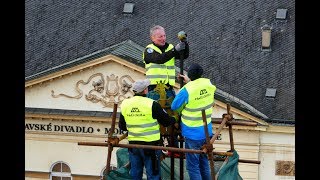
x=176, y=125
x=176, y=117
x=180, y=46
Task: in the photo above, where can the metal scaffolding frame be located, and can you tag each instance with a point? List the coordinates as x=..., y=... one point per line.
x=227, y=120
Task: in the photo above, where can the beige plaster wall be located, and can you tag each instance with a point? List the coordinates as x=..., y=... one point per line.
x=43, y=148
x=40, y=95
x=83, y=160
x=275, y=147
x=246, y=143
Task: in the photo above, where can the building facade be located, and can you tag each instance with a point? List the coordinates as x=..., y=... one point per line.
x=75, y=104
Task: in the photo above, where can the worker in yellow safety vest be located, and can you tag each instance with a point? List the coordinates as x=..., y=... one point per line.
x=159, y=58
x=140, y=116
x=196, y=95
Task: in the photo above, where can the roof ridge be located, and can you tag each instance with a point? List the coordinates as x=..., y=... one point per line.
x=241, y=102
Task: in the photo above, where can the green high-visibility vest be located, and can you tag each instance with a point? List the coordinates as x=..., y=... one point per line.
x=161, y=72
x=201, y=96
x=137, y=112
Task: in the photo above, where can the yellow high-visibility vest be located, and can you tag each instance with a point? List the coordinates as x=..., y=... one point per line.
x=161, y=72
x=137, y=112
x=201, y=96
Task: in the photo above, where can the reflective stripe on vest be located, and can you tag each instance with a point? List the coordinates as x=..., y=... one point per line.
x=137, y=112
x=201, y=96
x=161, y=72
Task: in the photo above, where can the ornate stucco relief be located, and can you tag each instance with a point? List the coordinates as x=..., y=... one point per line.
x=106, y=91
x=285, y=168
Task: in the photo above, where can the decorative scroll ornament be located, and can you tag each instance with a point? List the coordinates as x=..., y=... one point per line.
x=105, y=91
x=285, y=168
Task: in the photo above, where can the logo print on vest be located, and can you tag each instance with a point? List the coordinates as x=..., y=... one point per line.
x=203, y=91
x=135, y=109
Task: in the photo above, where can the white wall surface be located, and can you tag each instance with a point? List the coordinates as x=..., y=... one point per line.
x=86, y=160
x=40, y=95
x=275, y=147
x=43, y=148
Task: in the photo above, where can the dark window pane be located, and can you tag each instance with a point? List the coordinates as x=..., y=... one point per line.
x=66, y=178
x=57, y=168
x=56, y=178
x=65, y=168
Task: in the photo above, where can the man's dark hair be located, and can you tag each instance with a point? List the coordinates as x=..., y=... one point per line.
x=195, y=71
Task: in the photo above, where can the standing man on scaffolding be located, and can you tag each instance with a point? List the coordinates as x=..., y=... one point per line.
x=140, y=116
x=195, y=96
x=159, y=58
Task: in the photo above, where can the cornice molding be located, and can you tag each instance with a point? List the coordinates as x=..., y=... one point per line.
x=237, y=111
x=281, y=129
x=81, y=67
x=64, y=117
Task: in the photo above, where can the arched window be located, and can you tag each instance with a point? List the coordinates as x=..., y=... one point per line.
x=104, y=170
x=60, y=171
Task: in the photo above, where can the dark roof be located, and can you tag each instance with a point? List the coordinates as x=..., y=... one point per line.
x=225, y=38
x=127, y=50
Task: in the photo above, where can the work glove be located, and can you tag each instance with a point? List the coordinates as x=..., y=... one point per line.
x=176, y=126
x=176, y=117
x=180, y=46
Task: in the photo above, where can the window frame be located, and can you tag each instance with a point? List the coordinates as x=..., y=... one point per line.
x=61, y=173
